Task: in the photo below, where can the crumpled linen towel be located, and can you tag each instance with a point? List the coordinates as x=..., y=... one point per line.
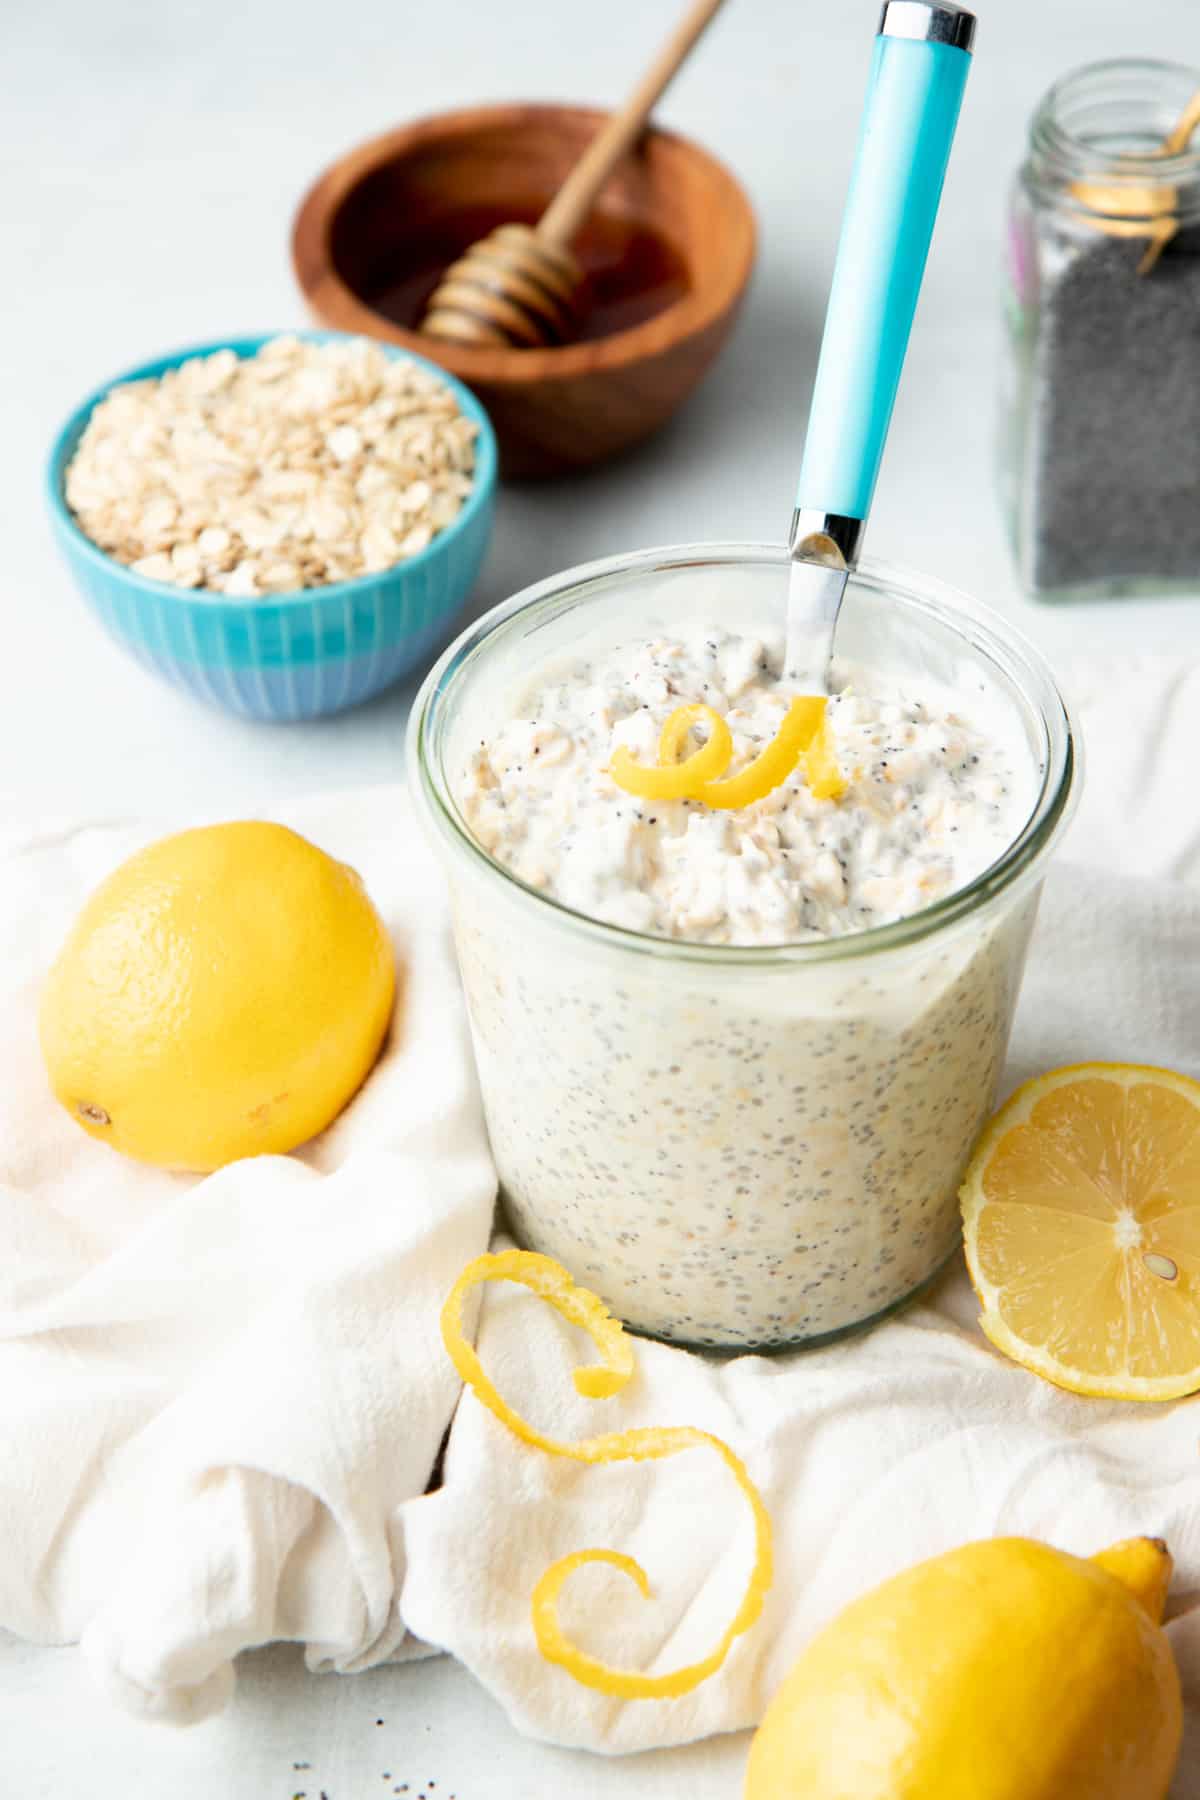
x=883, y=1449
x=870, y=1454
x=216, y=1394
x=220, y=1400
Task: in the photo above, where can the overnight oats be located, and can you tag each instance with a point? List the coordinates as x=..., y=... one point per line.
x=738, y=1030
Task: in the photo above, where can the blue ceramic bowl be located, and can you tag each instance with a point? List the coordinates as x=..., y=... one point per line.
x=292, y=656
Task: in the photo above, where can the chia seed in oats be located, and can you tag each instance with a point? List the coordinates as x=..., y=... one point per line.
x=930, y=803
x=735, y=1155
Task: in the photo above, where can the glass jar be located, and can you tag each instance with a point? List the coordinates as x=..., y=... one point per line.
x=1101, y=413
x=747, y=1147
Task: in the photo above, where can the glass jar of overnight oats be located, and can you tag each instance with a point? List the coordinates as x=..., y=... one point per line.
x=733, y=1064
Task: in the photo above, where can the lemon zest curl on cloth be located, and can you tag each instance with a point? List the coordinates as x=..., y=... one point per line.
x=551, y=1282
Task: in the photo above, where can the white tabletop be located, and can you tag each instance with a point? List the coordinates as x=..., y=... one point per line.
x=155, y=155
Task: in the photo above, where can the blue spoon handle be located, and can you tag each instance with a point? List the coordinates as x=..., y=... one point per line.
x=918, y=72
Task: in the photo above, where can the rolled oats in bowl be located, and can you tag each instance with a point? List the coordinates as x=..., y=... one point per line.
x=307, y=463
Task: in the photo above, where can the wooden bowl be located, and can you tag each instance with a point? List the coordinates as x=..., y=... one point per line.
x=668, y=250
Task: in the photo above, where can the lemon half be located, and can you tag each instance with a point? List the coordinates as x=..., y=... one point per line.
x=1081, y=1218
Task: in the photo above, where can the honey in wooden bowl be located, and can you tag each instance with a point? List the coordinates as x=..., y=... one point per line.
x=668, y=249
x=633, y=273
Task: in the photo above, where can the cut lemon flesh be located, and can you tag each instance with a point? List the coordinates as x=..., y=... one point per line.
x=1081, y=1220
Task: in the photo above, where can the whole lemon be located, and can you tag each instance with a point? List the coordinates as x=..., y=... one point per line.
x=1004, y=1670
x=222, y=994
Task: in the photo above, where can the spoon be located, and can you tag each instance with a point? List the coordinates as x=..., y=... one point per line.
x=922, y=55
x=1123, y=209
x=1178, y=139
x=521, y=285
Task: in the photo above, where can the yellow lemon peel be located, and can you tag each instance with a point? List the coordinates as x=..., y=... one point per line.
x=803, y=735
x=771, y=766
x=825, y=778
x=672, y=780
x=550, y=1281
x=676, y=726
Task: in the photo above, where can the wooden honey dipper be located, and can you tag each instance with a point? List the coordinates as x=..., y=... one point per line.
x=1122, y=209
x=520, y=285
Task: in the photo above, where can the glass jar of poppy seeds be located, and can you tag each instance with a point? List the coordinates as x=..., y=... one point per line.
x=1101, y=410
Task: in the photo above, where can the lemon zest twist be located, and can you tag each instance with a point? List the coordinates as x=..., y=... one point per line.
x=825, y=778
x=672, y=780
x=803, y=735
x=551, y=1282
x=774, y=764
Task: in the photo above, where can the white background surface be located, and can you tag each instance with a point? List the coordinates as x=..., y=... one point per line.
x=153, y=154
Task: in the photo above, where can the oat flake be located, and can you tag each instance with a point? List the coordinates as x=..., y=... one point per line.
x=305, y=464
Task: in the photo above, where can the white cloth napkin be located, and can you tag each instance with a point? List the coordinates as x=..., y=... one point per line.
x=221, y=1400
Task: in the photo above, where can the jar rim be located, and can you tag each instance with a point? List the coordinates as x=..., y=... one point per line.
x=1016, y=868
x=1124, y=97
